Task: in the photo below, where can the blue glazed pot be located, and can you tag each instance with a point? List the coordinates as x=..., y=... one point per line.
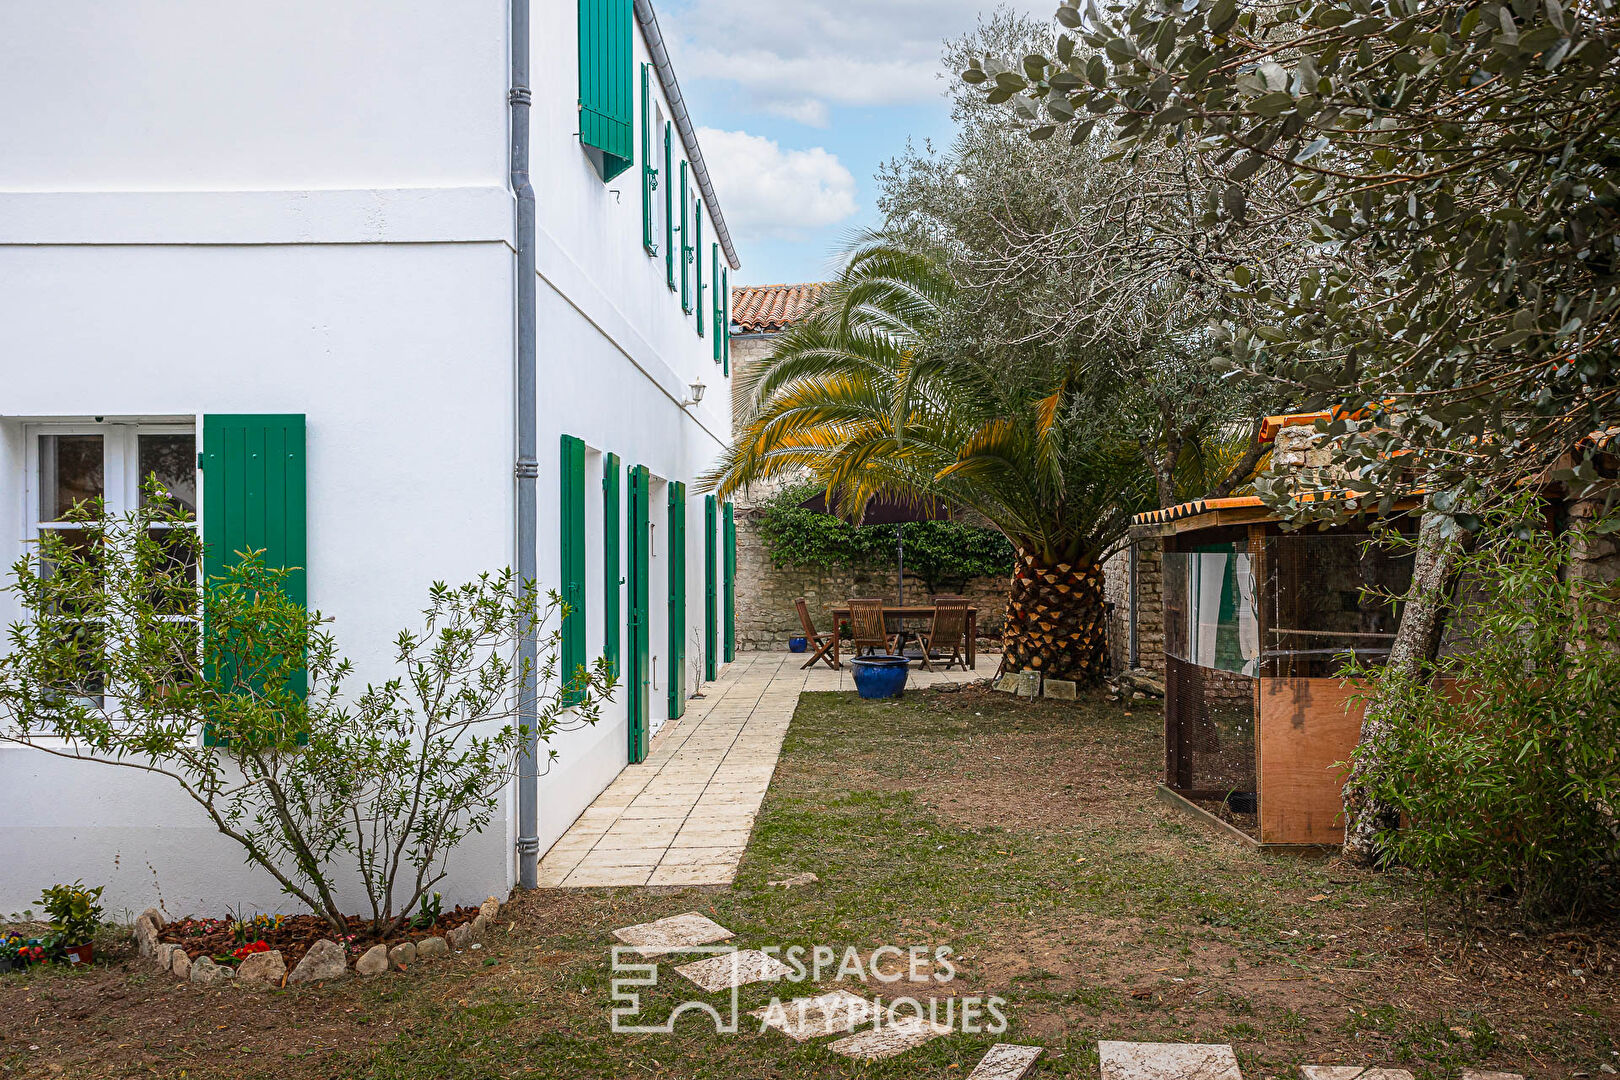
x=797, y=644
x=878, y=677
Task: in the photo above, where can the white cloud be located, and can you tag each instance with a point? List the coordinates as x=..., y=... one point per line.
x=768, y=192
x=794, y=58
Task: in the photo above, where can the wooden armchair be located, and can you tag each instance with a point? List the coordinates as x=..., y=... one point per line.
x=819, y=649
x=948, y=630
x=868, y=627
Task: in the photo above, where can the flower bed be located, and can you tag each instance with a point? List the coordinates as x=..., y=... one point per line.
x=275, y=950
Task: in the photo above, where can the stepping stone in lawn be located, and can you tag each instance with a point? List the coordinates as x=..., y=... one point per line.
x=1006, y=1061
x=1167, y=1061
x=729, y=970
x=889, y=1040
x=677, y=933
x=1475, y=1074
x=1351, y=1072
x=838, y=1012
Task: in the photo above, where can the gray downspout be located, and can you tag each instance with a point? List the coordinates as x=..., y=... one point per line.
x=528, y=464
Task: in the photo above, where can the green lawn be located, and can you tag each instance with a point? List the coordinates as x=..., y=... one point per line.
x=1023, y=835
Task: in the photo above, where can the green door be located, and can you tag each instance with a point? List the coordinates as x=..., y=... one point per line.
x=637, y=654
x=731, y=584
x=711, y=622
x=677, y=600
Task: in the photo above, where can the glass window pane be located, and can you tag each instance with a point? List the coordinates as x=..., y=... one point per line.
x=174, y=561
x=173, y=460
x=70, y=471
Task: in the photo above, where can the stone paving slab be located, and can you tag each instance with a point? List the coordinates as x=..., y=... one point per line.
x=729, y=970
x=838, y=1012
x=1006, y=1061
x=1475, y=1074
x=1352, y=1072
x=888, y=1040
x=674, y=934
x=1167, y=1061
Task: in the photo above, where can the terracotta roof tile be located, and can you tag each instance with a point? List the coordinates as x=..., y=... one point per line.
x=766, y=309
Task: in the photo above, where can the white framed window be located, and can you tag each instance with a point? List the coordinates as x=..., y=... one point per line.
x=71, y=465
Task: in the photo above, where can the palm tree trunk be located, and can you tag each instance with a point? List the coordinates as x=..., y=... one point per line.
x=1056, y=621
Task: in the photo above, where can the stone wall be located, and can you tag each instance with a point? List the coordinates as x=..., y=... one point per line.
x=1149, y=607
x=767, y=618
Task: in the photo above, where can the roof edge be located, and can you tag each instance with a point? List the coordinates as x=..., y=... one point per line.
x=683, y=123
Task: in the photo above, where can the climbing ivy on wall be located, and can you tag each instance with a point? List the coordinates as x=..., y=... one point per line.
x=936, y=551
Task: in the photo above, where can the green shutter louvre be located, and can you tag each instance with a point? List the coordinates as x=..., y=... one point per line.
x=649, y=173
x=254, y=499
x=710, y=590
x=669, y=204
x=686, y=249
x=611, y=581
x=731, y=584
x=638, y=673
x=606, y=79
x=572, y=517
x=677, y=600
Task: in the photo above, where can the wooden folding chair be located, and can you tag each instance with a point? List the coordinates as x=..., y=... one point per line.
x=819, y=650
x=867, y=625
x=949, y=628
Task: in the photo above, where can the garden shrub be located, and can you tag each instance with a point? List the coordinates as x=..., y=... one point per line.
x=936, y=551
x=1506, y=781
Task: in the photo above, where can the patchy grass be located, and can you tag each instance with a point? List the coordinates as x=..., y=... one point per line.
x=1023, y=835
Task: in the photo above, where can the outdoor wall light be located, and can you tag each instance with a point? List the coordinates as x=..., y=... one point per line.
x=697, y=389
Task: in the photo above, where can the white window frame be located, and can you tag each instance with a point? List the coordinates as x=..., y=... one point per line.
x=120, y=476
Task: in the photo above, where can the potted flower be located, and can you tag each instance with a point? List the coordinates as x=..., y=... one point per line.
x=75, y=913
x=17, y=952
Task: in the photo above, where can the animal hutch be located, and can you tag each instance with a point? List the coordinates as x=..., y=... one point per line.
x=1257, y=621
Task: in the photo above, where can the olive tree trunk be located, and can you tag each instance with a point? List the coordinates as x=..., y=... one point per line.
x=1056, y=621
x=1414, y=644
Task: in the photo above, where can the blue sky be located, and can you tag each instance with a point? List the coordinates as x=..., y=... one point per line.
x=799, y=101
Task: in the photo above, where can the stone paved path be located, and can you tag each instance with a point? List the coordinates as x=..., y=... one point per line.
x=683, y=816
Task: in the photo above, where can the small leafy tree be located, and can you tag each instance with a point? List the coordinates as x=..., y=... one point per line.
x=233, y=691
x=1503, y=761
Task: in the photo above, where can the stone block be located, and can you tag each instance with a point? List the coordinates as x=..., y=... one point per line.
x=374, y=961
x=1030, y=684
x=204, y=972
x=1061, y=689
x=432, y=948
x=889, y=1039
x=402, y=956
x=325, y=960
x=837, y=1012
x=675, y=934
x=1006, y=1061
x=729, y=970
x=460, y=937
x=263, y=969
x=180, y=963
x=1167, y=1061
x=490, y=908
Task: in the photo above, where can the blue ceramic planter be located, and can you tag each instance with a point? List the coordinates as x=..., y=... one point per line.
x=878, y=677
x=797, y=644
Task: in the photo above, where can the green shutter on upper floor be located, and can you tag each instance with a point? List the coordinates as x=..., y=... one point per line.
x=649, y=172
x=686, y=247
x=572, y=546
x=677, y=600
x=606, y=77
x=720, y=327
x=725, y=321
x=669, y=204
x=711, y=598
x=254, y=489
x=697, y=251
x=611, y=581
x=731, y=583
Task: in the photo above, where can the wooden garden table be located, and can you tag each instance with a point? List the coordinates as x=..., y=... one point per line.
x=840, y=616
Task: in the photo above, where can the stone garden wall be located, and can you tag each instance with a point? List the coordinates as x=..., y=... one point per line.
x=1149, y=607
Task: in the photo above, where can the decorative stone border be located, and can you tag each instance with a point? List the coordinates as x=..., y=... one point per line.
x=325, y=959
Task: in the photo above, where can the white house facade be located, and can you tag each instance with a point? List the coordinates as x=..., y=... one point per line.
x=301, y=236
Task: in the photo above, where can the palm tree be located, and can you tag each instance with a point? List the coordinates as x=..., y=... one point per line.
x=895, y=384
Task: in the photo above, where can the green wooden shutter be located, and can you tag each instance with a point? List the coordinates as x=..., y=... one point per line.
x=572, y=517
x=711, y=597
x=649, y=172
x=669, y=204
x=677, y=600
x=611, y=581
x=725, y=351
x=639, y=673
x=254, y=499
x=731, y=583
x=697, y=251
x=606, y=73
x=720, y=327
x=686, y=249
